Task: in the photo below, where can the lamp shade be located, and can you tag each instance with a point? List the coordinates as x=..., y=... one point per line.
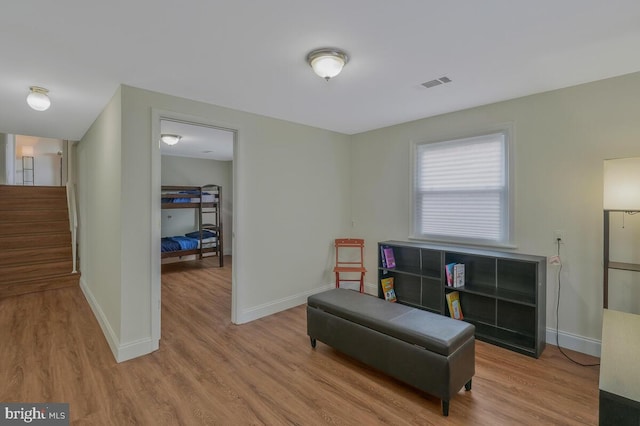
x=622, y=184
x=27, y=151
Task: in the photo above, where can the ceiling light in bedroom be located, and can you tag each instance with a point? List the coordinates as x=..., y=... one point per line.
x=38, y=98
x=170, y=139
x=327, y=62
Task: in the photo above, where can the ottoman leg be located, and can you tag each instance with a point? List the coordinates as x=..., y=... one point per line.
x=445, y=407
x=467, y=385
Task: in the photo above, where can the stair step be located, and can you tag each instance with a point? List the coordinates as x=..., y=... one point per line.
x=33, y=255
x=33, y=203
x=30, y=216
x=34, y=271
x=57, y=226
x=35, y=241
x=14, y=191
x=46, y=283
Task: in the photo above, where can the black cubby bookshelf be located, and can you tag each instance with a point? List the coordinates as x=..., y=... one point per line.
x=504, y=294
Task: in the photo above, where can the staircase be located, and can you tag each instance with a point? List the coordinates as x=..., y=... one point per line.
x=35, y=241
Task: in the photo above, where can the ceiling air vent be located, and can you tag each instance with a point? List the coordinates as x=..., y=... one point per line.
x=436, y=82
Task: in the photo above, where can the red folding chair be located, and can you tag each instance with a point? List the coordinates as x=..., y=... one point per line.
x=350, y=260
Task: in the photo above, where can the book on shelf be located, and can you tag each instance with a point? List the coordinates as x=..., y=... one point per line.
x=458, y=275
x=387, y=289
x=454, y=273
x=389, y=257
x=382, y=259
x=448, y=269
x=453, y=302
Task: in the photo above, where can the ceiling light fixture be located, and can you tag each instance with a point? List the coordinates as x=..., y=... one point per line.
x=170, y=139
x=38, y=98
x=327, y=62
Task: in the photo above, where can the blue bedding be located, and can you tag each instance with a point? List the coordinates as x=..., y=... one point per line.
x=176, y=200
x=178, y=243
x=167, y=244
x=205, y=234
x=194, y=193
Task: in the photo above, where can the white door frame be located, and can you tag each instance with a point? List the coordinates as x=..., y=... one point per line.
x=157, y=116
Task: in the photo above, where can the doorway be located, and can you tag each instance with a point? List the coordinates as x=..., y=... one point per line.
x=205, y=154
x=201, y=156
x=33, y=161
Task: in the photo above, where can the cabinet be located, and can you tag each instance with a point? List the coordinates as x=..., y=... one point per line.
x=504, y=294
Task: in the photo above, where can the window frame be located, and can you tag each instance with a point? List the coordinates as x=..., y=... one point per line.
x=508, y=205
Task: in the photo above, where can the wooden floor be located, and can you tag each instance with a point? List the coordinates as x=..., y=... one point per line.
x=209, y=371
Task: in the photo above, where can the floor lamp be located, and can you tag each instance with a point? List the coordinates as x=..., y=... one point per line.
x=621, y=194
x=619, y=399
x=28, y=165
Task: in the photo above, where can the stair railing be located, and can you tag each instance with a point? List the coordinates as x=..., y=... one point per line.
x=73, y=222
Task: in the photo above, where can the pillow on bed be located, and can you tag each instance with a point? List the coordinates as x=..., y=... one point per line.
x=205, y=234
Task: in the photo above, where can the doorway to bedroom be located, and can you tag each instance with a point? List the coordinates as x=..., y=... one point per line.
x=196, y=222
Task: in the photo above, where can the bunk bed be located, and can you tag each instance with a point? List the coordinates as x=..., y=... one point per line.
x=206, y=238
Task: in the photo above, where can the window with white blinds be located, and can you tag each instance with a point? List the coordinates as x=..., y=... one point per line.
x=461, y=190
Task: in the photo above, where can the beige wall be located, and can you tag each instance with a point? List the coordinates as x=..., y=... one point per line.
x=197, y=172
x=99, y=186
x=296, y=188
x=291, y=197
x=290, y=201
x=3, y=159
x=561, y=140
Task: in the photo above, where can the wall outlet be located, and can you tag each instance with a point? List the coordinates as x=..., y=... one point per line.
x=554, y=260
x=558, y=234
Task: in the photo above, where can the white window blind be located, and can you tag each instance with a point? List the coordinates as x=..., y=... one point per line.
x=461, y=190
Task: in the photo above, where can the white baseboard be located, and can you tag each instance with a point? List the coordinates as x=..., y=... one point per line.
x=121, y=352
x=136, y=349
x=269, y=308
x=371, y=288
x=574, y=342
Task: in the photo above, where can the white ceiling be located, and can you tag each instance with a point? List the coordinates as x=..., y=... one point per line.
x=250, y=55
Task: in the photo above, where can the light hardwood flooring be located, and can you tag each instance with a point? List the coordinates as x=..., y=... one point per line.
x=209, y=371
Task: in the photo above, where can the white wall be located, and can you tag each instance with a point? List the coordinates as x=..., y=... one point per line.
x=197, y=172
x=561, y=140
x=46, y=159
x=99, y=186
x=10, y=164
x=3, y=159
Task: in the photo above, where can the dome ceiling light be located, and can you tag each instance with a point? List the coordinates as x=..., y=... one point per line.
x=170, y=139
x=38, y=98
x=327, y=62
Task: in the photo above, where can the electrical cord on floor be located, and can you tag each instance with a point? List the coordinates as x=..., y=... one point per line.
x=558, y=318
